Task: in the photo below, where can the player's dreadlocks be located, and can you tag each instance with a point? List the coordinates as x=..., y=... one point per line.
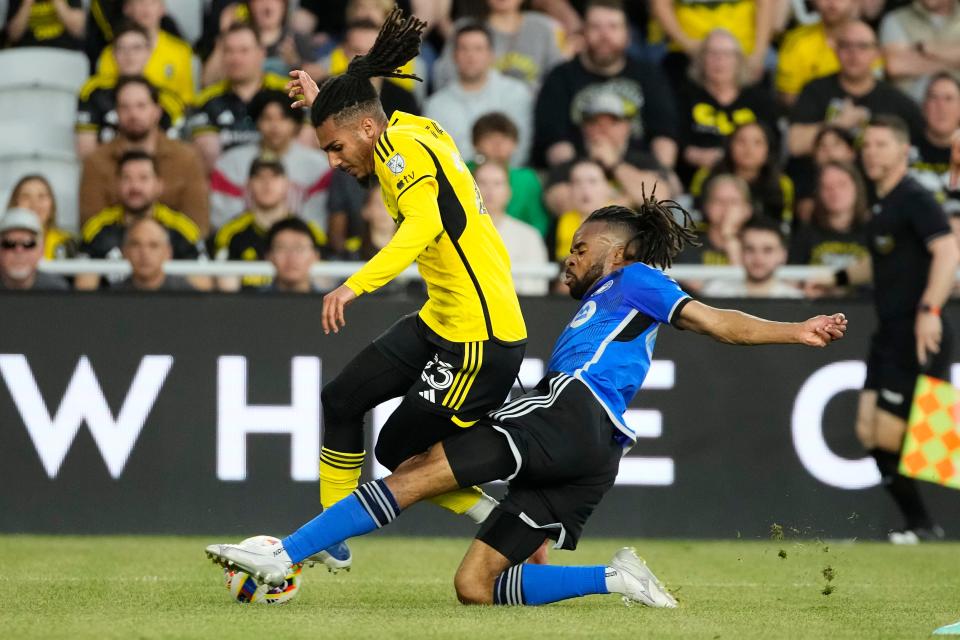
x=397, y=42
x=659, y=229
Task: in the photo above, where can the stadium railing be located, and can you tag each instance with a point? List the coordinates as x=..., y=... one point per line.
x=346, y=269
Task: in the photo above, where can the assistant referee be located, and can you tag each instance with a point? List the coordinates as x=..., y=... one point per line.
x=913, y=259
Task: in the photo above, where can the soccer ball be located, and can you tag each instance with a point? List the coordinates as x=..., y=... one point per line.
x=245, y=589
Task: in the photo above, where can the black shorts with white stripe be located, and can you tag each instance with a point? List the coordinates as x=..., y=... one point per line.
x=462, y=380
x=558, y=450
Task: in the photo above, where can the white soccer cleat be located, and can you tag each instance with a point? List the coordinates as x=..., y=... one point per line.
x=263, y=557
x=336, y=558
x=641, y=585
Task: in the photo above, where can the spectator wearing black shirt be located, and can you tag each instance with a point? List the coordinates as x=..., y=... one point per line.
x=608, y=142
x=930, y=155
x=45, y=23
x=752, y=156
x=726, y=209
x=832, y=143
x=914, y=257
x=97, y=118
x=836, y=236
x=222, y=119
x=849, y=98
x=603, y=67
x=716, y=101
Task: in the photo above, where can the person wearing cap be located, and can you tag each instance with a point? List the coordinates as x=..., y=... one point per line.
x=245, y=236
x=480, y=89
x=604, y=66
x=608, y=141
x=21, y=249
x=307, y=169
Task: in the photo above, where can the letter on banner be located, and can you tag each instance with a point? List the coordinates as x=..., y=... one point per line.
x=82, y=402
x=648, y=423
x=807, y=427
x=236, y=419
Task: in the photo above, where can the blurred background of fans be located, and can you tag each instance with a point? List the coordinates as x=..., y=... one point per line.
x=747, y=112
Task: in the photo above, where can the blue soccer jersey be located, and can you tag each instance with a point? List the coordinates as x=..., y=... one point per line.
x=609, y=343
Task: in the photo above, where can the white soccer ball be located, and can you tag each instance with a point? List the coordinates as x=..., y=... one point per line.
x=245, y=589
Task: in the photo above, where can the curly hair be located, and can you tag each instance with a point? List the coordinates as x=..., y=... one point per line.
x=658, y=229
x=352, y=93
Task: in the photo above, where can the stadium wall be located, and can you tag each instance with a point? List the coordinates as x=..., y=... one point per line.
x=200, y=414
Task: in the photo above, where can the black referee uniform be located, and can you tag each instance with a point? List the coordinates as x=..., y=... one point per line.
x=904, y=222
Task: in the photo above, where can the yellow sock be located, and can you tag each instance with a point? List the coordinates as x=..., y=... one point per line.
x=471, y=501
x=339, y=475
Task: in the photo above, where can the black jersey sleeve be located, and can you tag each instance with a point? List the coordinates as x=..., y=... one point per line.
x=927, y=217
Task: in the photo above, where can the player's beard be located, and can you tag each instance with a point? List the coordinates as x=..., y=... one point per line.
x=579, y=286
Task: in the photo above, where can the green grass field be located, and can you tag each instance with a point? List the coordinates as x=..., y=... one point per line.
x=163, y=587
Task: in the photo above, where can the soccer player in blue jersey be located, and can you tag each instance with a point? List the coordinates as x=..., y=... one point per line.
x=559, y=446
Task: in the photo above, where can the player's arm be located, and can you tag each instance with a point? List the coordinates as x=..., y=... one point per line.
x=421, y=225
x=735, y=327
x=945, y=256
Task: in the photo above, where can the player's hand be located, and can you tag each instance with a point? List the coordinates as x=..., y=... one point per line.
x=333, y=305
x=820, y=331
x=302, y=89
x=929, y=331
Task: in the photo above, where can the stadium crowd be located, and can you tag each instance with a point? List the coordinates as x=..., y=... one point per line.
x=747, y=112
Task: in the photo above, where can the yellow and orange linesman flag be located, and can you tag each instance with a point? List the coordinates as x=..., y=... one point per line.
x=931, y=448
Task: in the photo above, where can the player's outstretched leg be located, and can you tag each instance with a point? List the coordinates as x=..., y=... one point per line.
x=483, y=579
x=368, y=508
x=373, y=505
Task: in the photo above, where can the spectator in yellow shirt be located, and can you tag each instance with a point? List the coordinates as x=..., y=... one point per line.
x=171, y=59
x=807, y=51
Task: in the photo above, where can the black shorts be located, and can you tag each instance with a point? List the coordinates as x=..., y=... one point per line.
x=463, y=380
x=558, y=450
x=892, y=366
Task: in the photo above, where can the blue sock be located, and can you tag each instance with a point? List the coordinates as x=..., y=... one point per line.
x=368, y=508
x=541, y=584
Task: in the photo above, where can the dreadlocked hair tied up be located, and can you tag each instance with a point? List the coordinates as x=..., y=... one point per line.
x=397, y=43
x=658, y=230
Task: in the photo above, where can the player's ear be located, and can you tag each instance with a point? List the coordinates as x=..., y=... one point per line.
x=368, y=127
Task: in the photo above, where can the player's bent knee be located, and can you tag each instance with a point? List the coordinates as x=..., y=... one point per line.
x=473, y=589
x=332, y=402
x=389, y=454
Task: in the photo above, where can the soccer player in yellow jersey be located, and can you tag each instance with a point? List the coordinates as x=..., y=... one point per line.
x=456, y=358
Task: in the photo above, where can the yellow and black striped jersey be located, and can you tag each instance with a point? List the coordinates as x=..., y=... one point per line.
x=443, y=225
x=242, y=238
